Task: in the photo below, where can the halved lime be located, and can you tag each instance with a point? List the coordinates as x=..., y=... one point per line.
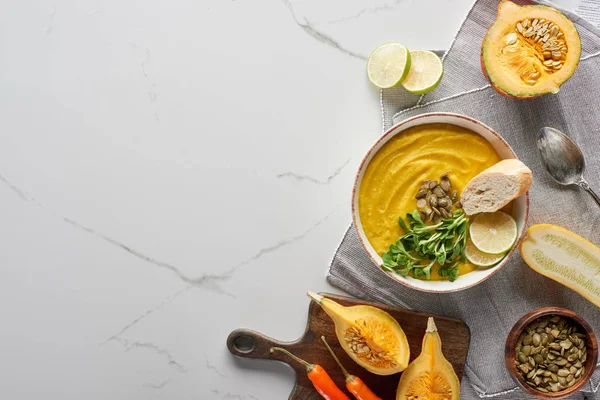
x=388, y=65
x=479, y=258
x=426, y=70
x=493, y=233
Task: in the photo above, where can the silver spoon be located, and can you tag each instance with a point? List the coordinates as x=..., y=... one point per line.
x=563, y=159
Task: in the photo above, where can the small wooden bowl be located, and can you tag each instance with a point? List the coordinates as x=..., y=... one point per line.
x=585, y=328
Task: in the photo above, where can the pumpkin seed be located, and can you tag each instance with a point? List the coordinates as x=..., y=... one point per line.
x=519, y=27
x=421, y=194
x=454, y=196
x=538, y=359
x=536, y=339
x=421, y=203
x=433, y=200
x=572, y=370
x=445, y=183
x=561, y=362
x=445, y=213
x=562, y=381
x=554, y=346
x=565, y=344
x=439, y=192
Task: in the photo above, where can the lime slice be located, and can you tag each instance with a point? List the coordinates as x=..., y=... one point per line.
x=426, y=70
x=493, y=233
x=388, y=65
x=479, y=258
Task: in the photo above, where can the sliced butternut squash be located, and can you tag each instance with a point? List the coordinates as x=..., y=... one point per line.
x=429, y=376
x=370, y=336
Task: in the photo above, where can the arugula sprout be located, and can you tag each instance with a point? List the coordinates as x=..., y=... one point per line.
x=422, y=246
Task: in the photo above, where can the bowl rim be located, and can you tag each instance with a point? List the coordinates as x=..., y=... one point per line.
x=515, y=331
x=358, y=178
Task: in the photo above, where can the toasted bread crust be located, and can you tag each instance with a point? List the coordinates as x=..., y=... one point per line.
x=511, y=170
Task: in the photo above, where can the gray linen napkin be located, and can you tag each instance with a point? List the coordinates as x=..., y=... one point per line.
x=491, y=308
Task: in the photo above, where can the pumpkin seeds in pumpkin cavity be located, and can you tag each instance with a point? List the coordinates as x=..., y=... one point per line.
x=550, y=353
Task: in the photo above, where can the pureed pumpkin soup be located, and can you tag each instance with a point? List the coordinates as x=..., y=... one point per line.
x=396, y=172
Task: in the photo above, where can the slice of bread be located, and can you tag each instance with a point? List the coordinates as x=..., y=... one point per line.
x=495, y=187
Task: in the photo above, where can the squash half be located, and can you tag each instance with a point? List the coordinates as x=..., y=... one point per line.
x=530, y=50
x=429, y=376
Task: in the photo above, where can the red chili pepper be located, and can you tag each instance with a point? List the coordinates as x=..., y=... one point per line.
x=319, y=378
x=353, y=383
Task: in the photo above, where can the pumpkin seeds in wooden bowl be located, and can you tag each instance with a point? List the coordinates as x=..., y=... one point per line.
x=551, y=352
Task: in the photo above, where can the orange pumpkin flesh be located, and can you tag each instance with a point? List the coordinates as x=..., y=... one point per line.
x=429, y=376
x=529, y=50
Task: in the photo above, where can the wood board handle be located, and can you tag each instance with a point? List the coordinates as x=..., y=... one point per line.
x=251, y=344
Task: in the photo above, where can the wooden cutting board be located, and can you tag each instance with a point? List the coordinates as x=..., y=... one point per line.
x=246, y=343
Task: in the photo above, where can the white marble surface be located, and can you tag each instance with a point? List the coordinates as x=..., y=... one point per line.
x=171, y=171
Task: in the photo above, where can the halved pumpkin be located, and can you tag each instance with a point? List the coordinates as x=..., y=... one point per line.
x=529, y=50
x=369, y=335
x=429, y=376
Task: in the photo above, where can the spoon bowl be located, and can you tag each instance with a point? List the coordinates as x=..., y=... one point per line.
x=563, y=159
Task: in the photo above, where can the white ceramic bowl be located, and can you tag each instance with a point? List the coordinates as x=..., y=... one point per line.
x=520, y=208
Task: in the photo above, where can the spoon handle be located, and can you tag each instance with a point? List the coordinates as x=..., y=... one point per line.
x=586, y=186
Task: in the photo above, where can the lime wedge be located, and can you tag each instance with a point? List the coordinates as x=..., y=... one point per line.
x=426, y=70
x=388, y=65
x=493, y=233
x=479, y=258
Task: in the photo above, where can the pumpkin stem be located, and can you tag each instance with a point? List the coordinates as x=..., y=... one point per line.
x=431, y=325
x=316, y=297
